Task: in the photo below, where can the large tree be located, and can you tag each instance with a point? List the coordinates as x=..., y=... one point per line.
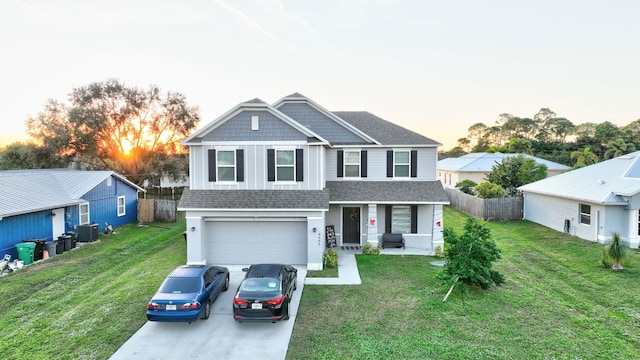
x=108, y=125
x=29, y=156
x=515, y=171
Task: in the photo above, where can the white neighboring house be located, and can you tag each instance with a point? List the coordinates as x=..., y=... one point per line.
x=591, y=202
x=476, y=166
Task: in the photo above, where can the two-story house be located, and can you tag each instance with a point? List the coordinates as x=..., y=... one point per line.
x=267, y=180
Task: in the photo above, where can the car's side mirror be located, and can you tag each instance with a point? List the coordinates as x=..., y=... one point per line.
x=245, y=269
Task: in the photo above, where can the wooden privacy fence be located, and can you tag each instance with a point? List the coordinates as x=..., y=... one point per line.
x=499, y=209
x=150, y=210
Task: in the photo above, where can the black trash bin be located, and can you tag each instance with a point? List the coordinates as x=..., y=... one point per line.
x=74, y=238
x=66, y=239
x=37, y=253
x=59, y=246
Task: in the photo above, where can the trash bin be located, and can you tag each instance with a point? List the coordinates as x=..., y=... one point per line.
x=74, y=238
x=25, y=251
x=66, y=239
x=59, y=247
x=37, y=252
x=52, y=247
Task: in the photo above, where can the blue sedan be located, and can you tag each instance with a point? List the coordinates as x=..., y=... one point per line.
x=187, y=293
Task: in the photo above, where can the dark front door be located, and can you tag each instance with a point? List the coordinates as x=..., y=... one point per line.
x=351, y=225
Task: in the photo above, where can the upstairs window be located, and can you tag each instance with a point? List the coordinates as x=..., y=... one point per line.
x=352, y=164
x=285, y=165
x=585, y=214
x=402, y=163
x=226, y=165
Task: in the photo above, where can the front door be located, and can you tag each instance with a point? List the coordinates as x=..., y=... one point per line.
x=351, y=225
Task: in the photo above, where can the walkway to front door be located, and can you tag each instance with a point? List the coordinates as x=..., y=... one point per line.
x=351, y=225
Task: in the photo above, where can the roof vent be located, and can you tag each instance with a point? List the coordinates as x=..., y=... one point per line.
x=600, y=181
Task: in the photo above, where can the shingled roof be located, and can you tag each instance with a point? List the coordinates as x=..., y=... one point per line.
x=392, y=192
x=254, y=199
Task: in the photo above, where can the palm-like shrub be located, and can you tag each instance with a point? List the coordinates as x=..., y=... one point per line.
x=616, y=251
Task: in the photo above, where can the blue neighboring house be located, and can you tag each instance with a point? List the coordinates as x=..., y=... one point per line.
x=46, y=203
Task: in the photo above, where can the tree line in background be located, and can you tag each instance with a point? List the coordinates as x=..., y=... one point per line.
x=550, y=137
x=108, y=125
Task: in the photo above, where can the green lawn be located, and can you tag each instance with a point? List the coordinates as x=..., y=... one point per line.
x=85, y=303
x=558, y=303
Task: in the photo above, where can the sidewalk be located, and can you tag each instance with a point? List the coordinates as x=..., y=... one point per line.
x=347, y=273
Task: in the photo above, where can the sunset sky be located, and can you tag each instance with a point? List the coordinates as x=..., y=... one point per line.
x=435, y=67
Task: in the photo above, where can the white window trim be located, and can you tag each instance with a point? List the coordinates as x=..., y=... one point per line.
x=124, y=206
x=344, y=164
x=218, y=166
x=408, y=164
x=88, y=213
x=275, y=161
x=580, y=214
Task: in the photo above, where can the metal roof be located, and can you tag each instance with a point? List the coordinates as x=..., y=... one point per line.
x=608, y=182
x=483, y=162
x=25, y=191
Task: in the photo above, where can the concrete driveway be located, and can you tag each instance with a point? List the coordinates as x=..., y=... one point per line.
x=219, y=337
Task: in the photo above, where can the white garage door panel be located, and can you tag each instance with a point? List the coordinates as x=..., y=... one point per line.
x=250, y=242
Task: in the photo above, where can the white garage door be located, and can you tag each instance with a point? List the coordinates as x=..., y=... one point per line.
x=251, y=242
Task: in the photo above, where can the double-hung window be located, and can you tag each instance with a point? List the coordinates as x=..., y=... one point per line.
x=226, y=165
x=352, y=164
x=285, y=165
x=585, y=214
x=401, y=163
x=84, y=214
x=122, y=209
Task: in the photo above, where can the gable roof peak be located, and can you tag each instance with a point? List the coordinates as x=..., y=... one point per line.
x=255, y=101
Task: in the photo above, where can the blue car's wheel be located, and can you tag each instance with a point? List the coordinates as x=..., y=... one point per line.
x=226, y=284
x=207, y=310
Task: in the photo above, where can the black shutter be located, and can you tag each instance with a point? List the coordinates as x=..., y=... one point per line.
x=389, y=163
x=414, y=163
x=414, y=219
x=271, y=165
x=387, y=218
x=340, y=168
x=299, y=165
x=212, y=165
x=240, y=165
x=363, y=163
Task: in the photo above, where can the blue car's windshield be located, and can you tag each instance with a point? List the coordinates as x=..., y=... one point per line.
x=181, y=286
x=260, y=284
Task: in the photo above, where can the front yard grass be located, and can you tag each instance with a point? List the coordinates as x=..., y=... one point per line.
x=85, y=303
x=557, y=303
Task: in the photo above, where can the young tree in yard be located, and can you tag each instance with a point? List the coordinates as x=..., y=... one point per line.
x=487, y=190
x=470, y=257
x=616, y=251
x=107, y=125
x=466, y=186
x=515, y=171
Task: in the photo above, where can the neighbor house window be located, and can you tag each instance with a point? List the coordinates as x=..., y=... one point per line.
x=638, y=222
x=285, y=165
x=84, y=214
x=352, y=164
x=585, y=214
x=121, y=206
x=226, y=165
x=401, y=163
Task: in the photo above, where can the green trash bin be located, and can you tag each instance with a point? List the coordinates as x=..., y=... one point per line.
x=25, y=251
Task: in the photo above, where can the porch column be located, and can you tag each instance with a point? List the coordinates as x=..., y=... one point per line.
x=437, y=238
x=372, y=225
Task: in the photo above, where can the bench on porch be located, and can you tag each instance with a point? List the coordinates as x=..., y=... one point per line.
x=392, y=240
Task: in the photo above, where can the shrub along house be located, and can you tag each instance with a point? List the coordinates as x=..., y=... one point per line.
x=44, y=204
x=266, y=181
